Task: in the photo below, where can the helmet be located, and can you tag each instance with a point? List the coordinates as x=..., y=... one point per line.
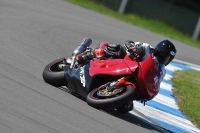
x=165, y=52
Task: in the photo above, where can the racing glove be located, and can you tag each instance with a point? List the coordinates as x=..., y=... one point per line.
x=135, y=51
x=84, y=57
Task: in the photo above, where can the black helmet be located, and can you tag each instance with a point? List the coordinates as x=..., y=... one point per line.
x=165, y=51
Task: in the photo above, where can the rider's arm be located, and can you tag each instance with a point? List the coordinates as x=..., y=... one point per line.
x=85, y=56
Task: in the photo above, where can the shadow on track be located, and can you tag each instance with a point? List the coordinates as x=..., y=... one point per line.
x=128, y=117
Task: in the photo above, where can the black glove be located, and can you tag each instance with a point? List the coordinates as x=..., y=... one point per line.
x=136, y=51
x=84, y=57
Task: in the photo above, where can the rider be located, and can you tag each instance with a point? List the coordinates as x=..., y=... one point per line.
x=164, y=51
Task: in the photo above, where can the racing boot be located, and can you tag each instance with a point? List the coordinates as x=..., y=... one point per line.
x=125, y=108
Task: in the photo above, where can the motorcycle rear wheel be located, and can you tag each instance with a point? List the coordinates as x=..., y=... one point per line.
x=52, y=75
x=121, y=98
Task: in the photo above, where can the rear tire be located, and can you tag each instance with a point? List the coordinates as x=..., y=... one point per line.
x=110, y=102
x=52, y=76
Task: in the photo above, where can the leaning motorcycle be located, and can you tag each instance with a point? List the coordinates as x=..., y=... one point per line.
x=109, y=83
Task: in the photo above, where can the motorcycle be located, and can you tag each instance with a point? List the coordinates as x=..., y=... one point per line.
x=108, y=83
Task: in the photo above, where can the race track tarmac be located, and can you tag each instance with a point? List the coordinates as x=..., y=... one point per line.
x=35, y=32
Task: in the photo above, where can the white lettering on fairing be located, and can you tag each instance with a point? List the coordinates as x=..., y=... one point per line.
x=82, y=76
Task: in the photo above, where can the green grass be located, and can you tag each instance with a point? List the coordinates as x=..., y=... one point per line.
x=146, y=23
x=187, y=92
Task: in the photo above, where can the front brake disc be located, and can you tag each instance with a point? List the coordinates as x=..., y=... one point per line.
x=104, y=92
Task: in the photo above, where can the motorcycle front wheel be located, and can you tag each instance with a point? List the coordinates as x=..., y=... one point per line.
x=100, y=98
x=54, y=75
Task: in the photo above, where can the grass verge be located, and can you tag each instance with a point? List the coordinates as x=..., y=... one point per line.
x=146, y=23
x=187, y=93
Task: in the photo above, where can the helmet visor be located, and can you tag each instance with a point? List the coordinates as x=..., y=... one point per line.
x=164, y=58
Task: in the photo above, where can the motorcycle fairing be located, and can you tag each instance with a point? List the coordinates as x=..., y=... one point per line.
x=97, y=72
x=82, y=80
x=78, y=80
x=113, y=67
x=148, y=78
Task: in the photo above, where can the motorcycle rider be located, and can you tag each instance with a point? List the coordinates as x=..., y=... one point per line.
x=164, y=51
x=163, y=54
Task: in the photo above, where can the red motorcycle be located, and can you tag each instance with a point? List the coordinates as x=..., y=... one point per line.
x=110, y=83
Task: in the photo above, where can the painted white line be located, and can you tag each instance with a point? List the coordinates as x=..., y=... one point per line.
x=173, y=68
x=167, y=77
x=166, y=101
x=187, y=63
x=166, y=86
x=165, y=117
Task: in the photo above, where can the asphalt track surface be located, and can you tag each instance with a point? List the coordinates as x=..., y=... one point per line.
x=35, y=32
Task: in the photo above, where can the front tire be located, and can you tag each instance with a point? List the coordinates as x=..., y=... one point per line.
x=121, y=98
x=52, y=75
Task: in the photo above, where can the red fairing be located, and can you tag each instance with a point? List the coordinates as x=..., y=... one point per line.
x=148, y=79
x=111, y=67
x=131, y=64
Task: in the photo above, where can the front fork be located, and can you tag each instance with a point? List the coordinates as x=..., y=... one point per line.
x=120, y=82
x=129, y=105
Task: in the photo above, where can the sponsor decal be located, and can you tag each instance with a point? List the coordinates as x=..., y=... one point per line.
x=82, y=76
